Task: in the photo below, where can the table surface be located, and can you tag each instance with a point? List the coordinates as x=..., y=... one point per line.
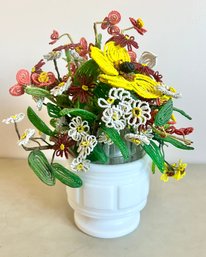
x=36, y=221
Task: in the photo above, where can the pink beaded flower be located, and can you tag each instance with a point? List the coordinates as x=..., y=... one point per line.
x=23, y=79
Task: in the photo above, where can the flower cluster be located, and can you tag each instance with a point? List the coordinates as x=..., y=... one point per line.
x=107, y=94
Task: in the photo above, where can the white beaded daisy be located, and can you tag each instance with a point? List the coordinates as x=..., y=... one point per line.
x=14, y=118
x=78, y=128
x=138, y=114
x=79, y=164
x=86, y=145
x=25, y=137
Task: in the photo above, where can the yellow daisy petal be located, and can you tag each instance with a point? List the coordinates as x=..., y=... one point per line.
x=116, y=81
x=116, y=54
x=164, y=177
x=104, y=64
x=145, y=87
x=173, y=117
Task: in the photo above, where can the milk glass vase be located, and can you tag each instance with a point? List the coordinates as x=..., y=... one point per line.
x=108, y=204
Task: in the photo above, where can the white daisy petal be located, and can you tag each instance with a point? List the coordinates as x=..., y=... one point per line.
x=39, y=102
x=113, y=118
x=138, y=114
x=148, y=59
x=79, y=164
x=28, y=133
x=52, y=55
x=61, y=88
x=122, y=96
x=78, y=128
x=14, y=118
x=103, y=138
x=139, y=138
x=86, y=145
x=166, y=91
x=103, y=103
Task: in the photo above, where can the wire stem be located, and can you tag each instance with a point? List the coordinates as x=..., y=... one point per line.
x=57, y=70
x=68, y=35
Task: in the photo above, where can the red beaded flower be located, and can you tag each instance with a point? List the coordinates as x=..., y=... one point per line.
x=82, y=91
x=181, y=131
x=138, y=25
x=124, y=40
x=43, y=79
x=110, y=22
x=148, y=71
x=38, y=66
x=54, y=36
x=63, y=145
x=82, y=48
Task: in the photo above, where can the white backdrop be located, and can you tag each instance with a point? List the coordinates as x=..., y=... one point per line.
x=176, y=34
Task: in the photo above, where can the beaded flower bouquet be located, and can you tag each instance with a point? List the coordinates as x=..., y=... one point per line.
x=105, y=95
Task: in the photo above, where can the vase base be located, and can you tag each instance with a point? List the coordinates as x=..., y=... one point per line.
x=107, y=228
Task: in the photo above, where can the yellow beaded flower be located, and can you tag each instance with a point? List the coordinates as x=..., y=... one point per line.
x=110, y=61
x=176, y=170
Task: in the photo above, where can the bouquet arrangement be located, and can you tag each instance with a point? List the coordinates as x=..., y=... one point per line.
x=106, y=95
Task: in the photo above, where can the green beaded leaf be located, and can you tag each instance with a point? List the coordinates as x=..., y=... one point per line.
x=84, y=114
x=37, y=92
x=53, y=123
x=98, y=40
x=63, y=100
x=37, y=122
x=182, y=112
x=164, y=114
x=174, y=142
x=101, y=90
x=53, y=110
x=98, y=155
x=88, y=69
x=117, y=140
x=66, y=176
x=155, y=154
x=153, y=167
x=41, y=167
x=68, y=56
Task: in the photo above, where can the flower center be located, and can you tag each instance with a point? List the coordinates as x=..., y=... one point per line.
x=127, y=37
x=136, y=112
x=85, y=88
x=62, y=147
x=80, y=129
x=61, y=84
x=79, y=167
x=110, y=100
x=23, y=136
x=172, y=89
x=43, y=77
x=140, y=23
x=115, y=116
x=14, y=116
x=136, y=141
x=78, y=48
x=85, y=143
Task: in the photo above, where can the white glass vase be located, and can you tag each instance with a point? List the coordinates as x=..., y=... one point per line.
x=108, y=204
